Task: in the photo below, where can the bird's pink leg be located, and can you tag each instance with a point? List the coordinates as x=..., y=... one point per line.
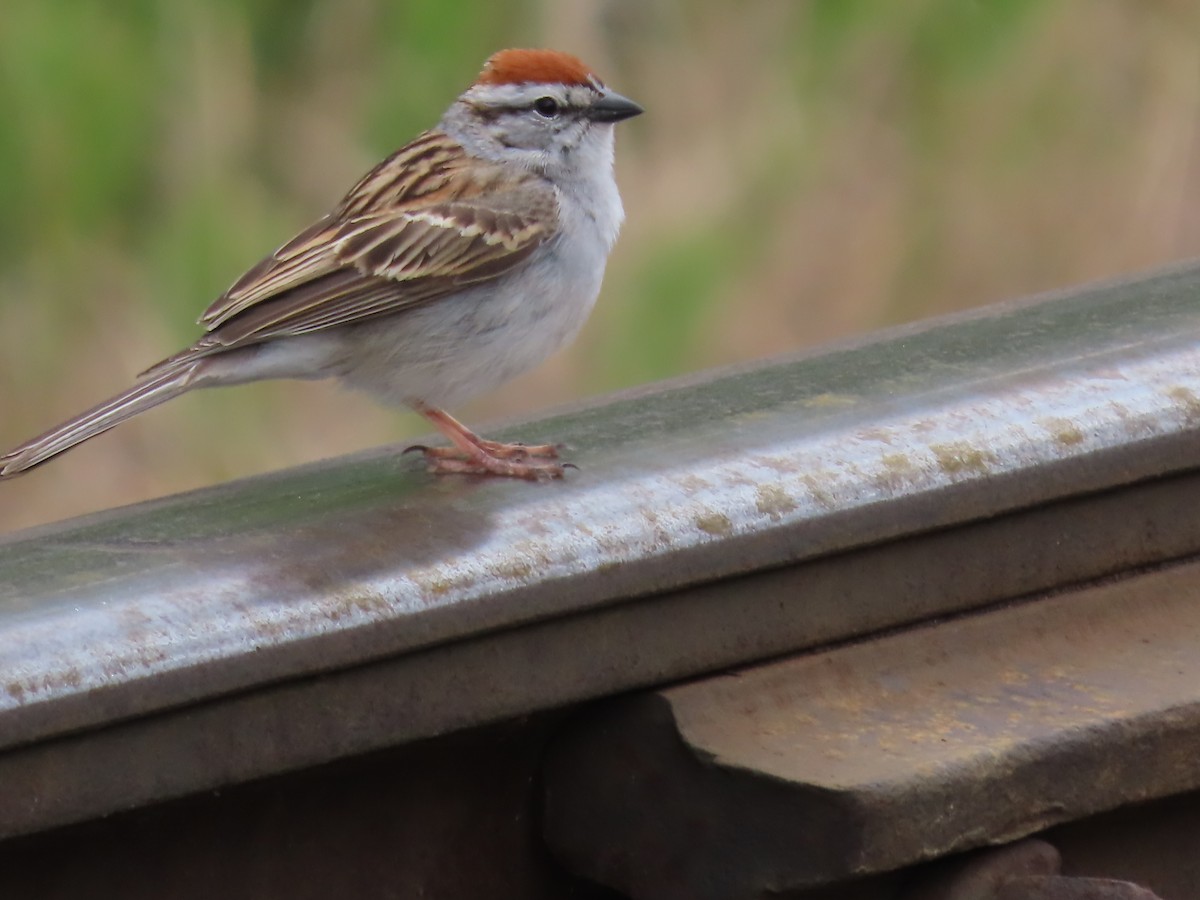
x=474, y=455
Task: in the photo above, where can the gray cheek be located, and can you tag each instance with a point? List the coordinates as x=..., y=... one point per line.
x=509, y=139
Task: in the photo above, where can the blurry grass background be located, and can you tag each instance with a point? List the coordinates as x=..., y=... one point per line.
x=806, y=169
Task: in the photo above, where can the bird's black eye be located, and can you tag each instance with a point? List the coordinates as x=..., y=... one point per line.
x=546, y=107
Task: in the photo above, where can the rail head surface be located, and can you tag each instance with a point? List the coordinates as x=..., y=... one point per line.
x=296, y=576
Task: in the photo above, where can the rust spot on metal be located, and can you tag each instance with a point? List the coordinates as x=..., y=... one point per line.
x=1134, y=424
x=899, y=471
x=439, y=587
x=882, y=435
x=692, y=483
x=1064, y=431
x=772, y=500
x=517, y=569
x=1188, y=403
x=365, y=604
x=716, y=524
x=960, y=457
x=782, y=465
x=817, y=487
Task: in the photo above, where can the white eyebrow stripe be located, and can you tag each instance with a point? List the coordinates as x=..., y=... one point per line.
x=522, y=95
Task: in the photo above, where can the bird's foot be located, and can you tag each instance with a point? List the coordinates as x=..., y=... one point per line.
x=473, y=455
x=535, y=462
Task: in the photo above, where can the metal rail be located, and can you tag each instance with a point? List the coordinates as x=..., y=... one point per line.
x=325, y=611
x=872, y=757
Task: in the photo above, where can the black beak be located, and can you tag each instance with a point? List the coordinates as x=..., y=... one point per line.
x=612, y=107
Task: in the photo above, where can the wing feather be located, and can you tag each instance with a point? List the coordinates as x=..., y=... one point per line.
x=422, y=224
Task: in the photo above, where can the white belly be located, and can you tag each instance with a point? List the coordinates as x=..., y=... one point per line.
x=454, y=348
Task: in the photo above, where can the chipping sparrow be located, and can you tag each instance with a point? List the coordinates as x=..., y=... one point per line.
x=462, y=260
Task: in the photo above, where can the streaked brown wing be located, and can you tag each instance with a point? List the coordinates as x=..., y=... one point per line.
x=423, y=223
x=379, y=265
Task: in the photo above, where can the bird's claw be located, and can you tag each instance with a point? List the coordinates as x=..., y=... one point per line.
x=532, y=469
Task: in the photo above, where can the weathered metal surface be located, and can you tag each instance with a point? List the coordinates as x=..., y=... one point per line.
x=303, y=721
x=877, y=755
x=328, y=610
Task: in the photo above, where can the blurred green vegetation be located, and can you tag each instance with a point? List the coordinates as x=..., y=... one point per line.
x=806, y=169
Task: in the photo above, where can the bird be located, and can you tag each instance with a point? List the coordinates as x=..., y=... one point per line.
x=463, y=259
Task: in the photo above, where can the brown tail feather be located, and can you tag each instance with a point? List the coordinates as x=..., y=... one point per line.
x=144, y=395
